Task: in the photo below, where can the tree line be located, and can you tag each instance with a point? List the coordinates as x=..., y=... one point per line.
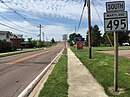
x=97, y=39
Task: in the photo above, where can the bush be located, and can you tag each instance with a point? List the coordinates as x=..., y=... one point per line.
x=5, y=46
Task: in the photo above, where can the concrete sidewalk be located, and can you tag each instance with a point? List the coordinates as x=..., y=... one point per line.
x=80, y=80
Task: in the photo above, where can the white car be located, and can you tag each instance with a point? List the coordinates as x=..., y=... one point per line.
x=126, y=43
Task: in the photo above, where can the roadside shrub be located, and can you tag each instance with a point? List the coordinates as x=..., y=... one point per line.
x=5, y=46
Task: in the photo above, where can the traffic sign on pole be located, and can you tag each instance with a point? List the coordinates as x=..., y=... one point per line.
x=115, y=20
x=115, y=6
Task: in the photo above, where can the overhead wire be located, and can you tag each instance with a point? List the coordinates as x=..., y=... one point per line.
x=81, y=15
x=101, y=22
x=13, y=10
x=16, y=29
x=14, y=23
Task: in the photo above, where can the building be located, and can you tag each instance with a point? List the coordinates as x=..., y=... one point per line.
x=16, y=40
x=10, y=37
x=5, y=35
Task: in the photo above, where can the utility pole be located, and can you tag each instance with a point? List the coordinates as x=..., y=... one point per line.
x=89, y=31
x=40, y=27
x=43, y=35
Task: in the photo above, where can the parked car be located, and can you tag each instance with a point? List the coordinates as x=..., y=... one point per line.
x=126, y=44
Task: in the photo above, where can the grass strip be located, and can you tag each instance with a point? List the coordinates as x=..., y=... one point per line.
x=56, y=85
x=102, y=68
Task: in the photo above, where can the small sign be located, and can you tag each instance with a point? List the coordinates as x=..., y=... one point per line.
x=79, y=39
x=65, y=37
x=79, y=42
x=116, y=15
x=79, y=45
x=115, y=6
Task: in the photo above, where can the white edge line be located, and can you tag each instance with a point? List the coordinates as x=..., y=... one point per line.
x=29, y=88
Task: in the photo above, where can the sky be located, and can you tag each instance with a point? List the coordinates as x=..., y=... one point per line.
x=57, y=17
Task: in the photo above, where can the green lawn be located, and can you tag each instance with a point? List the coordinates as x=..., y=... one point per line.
x=56, y=85
x=101, y=66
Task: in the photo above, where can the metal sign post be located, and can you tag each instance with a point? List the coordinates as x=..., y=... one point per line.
x=115, y=20
x=115, y=61
x=65, y=40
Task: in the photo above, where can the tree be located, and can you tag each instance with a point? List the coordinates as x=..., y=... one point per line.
x=106, y=40
x=52, y=40
x=96, y=38
x=122, y=37
x=31, y=42
x=72, y=37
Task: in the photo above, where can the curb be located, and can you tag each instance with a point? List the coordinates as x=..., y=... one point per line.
x=31, y=86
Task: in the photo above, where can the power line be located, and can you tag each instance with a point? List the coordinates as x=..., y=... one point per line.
x=17, y=14
x=13, y=10
x=14, y=23
x=102, y=23
x=80, y=19
x=97, y=13
x=16, y=29
x=81, y=15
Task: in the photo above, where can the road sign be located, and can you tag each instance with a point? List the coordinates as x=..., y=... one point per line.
x=111, y=15
x=65, y=37
x=115, y=21
x=115, y=6
x=79, y=45
x=79, y=39
x=79, y=42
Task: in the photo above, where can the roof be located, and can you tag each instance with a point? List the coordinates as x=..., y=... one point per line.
x=4, y=32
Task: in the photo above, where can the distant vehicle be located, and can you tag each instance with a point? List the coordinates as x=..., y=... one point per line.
x=126, y=44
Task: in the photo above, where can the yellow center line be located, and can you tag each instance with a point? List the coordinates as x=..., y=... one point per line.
x=29, y=57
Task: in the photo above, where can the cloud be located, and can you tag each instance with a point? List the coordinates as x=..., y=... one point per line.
x=19, y=28
x=58, y=16
x=2, y=8
x=50, y=8
x=55, y=31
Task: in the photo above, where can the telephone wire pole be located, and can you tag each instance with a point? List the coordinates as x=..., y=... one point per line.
x=40, y=27
x=89, y=31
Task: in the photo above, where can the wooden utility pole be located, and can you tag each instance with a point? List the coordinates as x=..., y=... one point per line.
x=89, y=31
x=40, y=27
x=115, y=61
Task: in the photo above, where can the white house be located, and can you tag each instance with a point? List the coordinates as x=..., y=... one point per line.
x=5, y=35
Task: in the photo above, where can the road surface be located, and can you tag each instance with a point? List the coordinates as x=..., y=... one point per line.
x=17, y=71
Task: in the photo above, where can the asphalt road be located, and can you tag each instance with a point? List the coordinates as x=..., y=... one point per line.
x=17, y=71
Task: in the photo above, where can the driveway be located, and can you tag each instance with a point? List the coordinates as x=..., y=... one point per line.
x=125, y=53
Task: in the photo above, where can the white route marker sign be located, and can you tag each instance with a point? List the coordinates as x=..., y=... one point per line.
x=115, y=19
